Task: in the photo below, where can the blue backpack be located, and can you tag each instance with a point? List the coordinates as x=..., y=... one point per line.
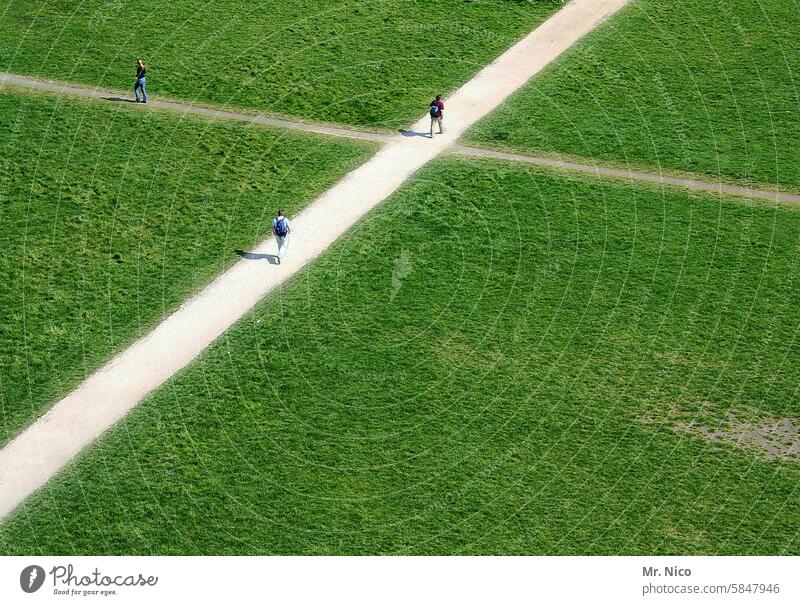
x=280, y=227
x=435, y=110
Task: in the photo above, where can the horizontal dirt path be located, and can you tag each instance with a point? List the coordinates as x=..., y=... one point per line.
x=50, y=86
x=697, y=183
x=56, y=438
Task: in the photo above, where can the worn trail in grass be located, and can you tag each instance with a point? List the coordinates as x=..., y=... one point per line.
x=365, y=62
x=111, y=218
x=707, y=86
x=583, y=165
x=493, y=362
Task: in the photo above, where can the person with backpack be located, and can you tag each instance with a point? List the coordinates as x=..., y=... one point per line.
x=281, y=230
x=141, y=71
x=437, y=114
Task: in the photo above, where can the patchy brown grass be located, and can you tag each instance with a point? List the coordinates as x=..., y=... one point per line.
x=754, y=431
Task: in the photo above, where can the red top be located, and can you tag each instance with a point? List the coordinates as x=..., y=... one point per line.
x=441, y=107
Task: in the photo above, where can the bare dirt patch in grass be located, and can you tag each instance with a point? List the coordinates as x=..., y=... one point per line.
x=755, y=431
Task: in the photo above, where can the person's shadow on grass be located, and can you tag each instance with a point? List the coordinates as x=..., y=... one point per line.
x=271, y=258
x=119, y=99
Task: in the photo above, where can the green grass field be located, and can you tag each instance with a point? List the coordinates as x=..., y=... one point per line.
x=363, y=62
x=497, y=360
x=110, y=218
x=706, y=86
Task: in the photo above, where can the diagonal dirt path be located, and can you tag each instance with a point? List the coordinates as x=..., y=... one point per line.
x=104, y=398
x=697, y=183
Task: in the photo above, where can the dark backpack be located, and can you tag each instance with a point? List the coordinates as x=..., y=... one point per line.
x=435, y=111
x=280, y=227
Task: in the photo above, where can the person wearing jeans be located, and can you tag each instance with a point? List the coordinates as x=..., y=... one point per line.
x=140, y=82
x=437, y=114
x=281, y=231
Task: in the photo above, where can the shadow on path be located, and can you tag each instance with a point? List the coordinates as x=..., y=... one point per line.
x=414, y=133
x=119, y=99
x=273, y=260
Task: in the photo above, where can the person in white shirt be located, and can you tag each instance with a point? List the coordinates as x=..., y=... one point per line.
x=281, y=230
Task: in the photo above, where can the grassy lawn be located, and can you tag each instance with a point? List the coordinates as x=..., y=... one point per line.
x=498, y=360
x=707, y=86
x=110, y=218
x=364, y=62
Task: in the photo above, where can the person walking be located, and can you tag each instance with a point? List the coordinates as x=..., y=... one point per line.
x=281, y=230
x=141, y=71
x=437, y=114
